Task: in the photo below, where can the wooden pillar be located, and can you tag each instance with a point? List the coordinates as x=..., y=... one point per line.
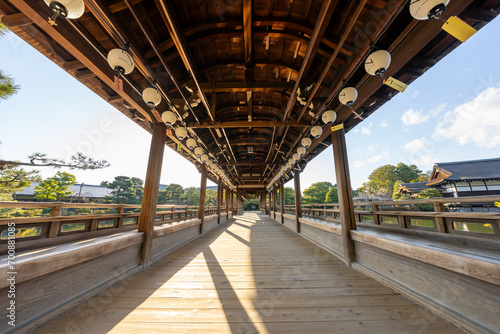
x=270, y=202
x=347, y=218
x=237, y=204
x=298, y=200
x=219, y=199
x=275, y=192
x=203, y=195
x=231, y=195
x=227, y=203
x=151, y=187
x=282, y=201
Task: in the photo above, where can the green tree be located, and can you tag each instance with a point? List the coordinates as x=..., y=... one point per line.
x=316, y=193
x=211, y=198
x=192, y=196
x=125, y=190
x=14, y=179
x=426, y=194
x=172, y=194
x=332, y=196
x=395, y=193
x=7, y=85
x=55, y=188
x=289, y=196
x=381, y=180
x=423, y=177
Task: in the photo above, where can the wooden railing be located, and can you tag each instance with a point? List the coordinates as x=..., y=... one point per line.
x=30, y=221
x=473, y=216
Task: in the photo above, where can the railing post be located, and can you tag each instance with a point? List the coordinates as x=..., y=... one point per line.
x=151, y=187
x=203, y=193
x=441, y=227
x=376, y=217
x=347, y=218
x=282, y=201
x=54, y=226
x=298, y=200
x=121, y=210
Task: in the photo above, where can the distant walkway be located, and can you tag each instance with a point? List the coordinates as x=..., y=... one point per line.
x=251, y=275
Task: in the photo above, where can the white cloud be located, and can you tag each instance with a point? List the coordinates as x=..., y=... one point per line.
x=367, y=130
x=383, y=124
x=371, y=160
x=476, y=121
x=415, y=145
x=415, y=94
x=412, y=116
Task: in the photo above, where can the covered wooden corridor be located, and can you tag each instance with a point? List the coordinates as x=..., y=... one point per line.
x=250, y=275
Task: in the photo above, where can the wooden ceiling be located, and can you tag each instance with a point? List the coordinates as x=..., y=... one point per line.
x=248, y=61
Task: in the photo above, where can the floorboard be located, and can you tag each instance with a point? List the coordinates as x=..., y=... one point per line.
x=251, y=275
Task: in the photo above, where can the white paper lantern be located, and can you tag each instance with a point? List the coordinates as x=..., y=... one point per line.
x=301, y=151
x=316, y=131
x=120, y=61
x=378, y=62
x=348, y=96
x=70, y=9
x=198, y=151
x=151, y=96
x=306, y=142
x=329, y=116
x=295, y=157
x=191, y=143
x=168, y=117
x=181, y=132
x=427, y=9
x=204, y=157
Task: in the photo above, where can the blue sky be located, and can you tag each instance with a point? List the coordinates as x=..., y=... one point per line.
x=451, y=113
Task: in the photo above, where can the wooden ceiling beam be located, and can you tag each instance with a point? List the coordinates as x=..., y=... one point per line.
x=322, y=22
x=247, y=32
x=245, y=124
x=237, y=25
x=176, y=32
x=69, y=38
x=243, y=87
x=15, y=20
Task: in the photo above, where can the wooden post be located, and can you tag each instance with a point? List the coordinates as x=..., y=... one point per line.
x=270, y=203
x=298, y=200
x=347, y=218
x=227, y=203
x=275, y=192
x=282, y=201
x=151, y=187
x=441, y=227
x=232, y=203
x=203, y=195
x=219, y=199
x=237, y=204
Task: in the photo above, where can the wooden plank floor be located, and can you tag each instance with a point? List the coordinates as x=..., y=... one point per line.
x=251, y=275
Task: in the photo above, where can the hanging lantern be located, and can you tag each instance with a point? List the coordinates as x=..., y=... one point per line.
x=295, y=157
x=198, y=151
x=301, y=151
x=120, y=61
x=151, y=96
x=329, y=116
x=348, y=96
x=427, y=9
x=377, y=63
x=306, y=142
x=169, y=118
x=204, y=157
x=316, y=131
x=181, y=132
x=191, y=143
x=70, y=9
